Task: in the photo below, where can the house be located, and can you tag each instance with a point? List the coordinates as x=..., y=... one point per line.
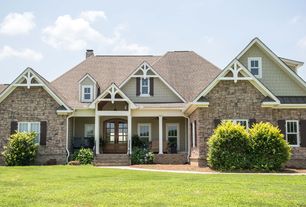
x=173, y=102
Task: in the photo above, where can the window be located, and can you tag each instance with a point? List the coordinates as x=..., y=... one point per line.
x=242, y=122
x=87, y=93
x=144, y=132
x=30, y=127
x=173, y=137
x=292, y=132
x=255, y=66
x=89, y=130
x=145, y=87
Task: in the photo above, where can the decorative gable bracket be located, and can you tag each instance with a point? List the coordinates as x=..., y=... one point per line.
x=28, y=80
x=111, y=92
x=236, y=72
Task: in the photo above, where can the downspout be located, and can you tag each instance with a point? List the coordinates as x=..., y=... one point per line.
x=67, y=138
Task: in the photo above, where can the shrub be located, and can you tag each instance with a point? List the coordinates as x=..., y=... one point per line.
x=142, y=156
x=229, y=147
x=138, y=143
x=269, y=149
x=85, y=156
x=21, y=149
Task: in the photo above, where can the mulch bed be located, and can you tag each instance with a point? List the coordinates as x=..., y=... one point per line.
x=202, y=169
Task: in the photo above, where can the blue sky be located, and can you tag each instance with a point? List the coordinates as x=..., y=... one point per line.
x=52, y=36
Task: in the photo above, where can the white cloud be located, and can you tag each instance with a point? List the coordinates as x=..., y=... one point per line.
x=71, y=34
x=134, y=48
x=296, y=19
x=92, y=15
x=26, y=54
x=77, y=33
x=302, y=42
x=17, y=23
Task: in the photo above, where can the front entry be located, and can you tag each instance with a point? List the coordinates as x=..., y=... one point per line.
x=115, y=136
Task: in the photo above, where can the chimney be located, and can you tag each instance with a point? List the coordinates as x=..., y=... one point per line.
x=89, y=53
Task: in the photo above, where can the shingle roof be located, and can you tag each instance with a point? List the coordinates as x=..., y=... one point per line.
x=292, y=99
x=185, y=71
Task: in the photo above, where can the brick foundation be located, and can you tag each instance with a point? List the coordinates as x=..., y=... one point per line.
x=180, y=158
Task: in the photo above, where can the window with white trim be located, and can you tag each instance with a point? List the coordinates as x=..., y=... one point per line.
x=89, y=130
x=145, y=86
x=255, y=66
x=87, y=93
x=30, y=127
x=144, y=132
x=292, y=133
x=242, y=122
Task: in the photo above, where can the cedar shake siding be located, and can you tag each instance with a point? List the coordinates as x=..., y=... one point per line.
x=35, y=105
x=241, y=100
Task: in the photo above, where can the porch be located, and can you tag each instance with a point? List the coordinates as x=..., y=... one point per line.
x=163, y=135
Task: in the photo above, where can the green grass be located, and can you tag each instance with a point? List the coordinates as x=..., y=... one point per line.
x=90, y=186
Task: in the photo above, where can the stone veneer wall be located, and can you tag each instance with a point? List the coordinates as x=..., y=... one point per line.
x=35, y=105
x=242, y=100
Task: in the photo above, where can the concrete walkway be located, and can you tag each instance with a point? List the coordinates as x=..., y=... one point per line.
x=193, y=172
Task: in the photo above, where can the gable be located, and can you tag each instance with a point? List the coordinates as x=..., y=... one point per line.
x=30, y=79
x=162, y=93
x=274, y=77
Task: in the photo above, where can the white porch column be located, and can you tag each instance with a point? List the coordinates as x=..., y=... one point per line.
x=193, y=135
x=97, y=133
x=129, y=134
x=160, y=122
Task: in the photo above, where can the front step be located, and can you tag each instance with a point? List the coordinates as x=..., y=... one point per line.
x=112, y=160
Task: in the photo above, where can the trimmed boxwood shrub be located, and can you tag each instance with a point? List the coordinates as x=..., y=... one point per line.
x=85, y=156
x=229, y=147
x=21, y=149
x=269, y=149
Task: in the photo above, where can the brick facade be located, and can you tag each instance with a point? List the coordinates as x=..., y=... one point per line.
x=35, y=105
x=241, y=100
x=180, y=158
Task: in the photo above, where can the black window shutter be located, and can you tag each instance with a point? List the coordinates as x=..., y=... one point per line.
x=195, y=134
x=152, y=86
x=251, y=122
x=303, y=133
x=14, y=127
x=281, y=125
x=43, y=132
x=191, y=135
x=217, y=122
x=137, y=86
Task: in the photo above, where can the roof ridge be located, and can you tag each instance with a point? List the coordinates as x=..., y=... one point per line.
x=127, y=55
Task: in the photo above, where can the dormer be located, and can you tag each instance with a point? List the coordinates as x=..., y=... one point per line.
x=88, y=89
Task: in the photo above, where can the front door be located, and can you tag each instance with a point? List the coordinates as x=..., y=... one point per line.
x=115, y=136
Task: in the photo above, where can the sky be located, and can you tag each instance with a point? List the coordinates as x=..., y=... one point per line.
x=51, y=36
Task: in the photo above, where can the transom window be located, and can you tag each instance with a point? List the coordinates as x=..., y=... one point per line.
x=145, y=86
x=30, y=127
x=87, y=93
x=292, y=132
x=255, y=66
x=173, y=136
x=242, y=122
x=144, y=132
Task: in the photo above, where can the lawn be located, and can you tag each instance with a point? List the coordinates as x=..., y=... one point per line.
x=90, y=186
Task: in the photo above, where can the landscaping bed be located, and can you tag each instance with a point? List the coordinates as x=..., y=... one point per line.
x=202, y=169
